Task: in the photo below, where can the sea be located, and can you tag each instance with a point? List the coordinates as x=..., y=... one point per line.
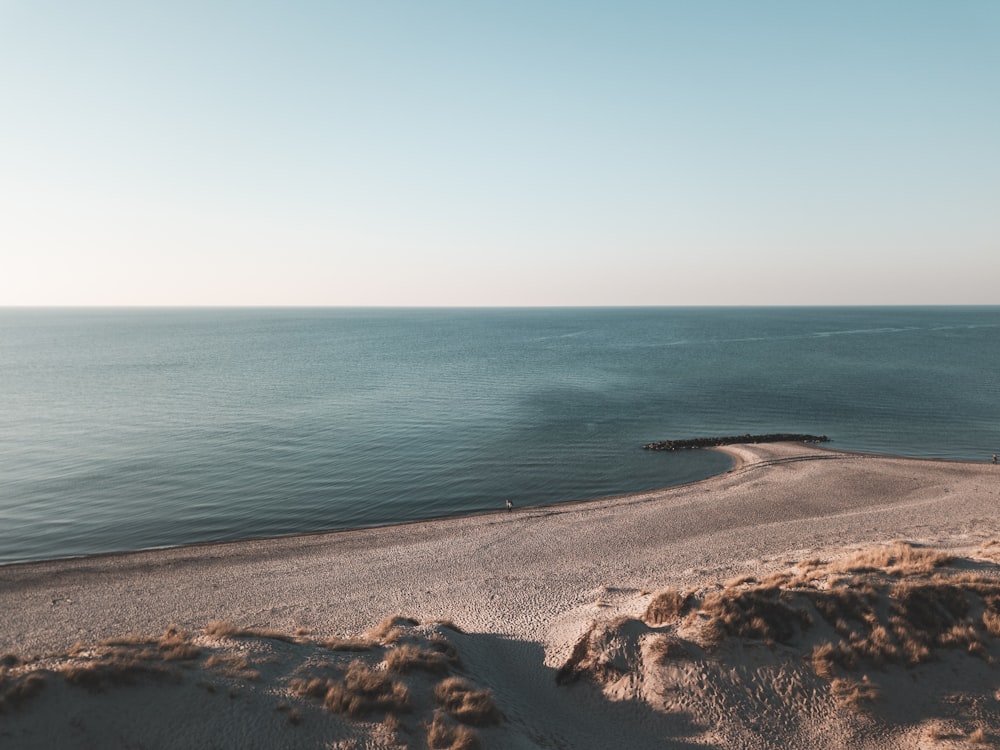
x=126, y=429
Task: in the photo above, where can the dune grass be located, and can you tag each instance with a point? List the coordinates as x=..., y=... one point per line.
x=849, y=618
x=409, y=657
x=363, y=690
x=17, y=690
x=666, y=606
x=466, y=703
x=398, y=668
x=898, y=558
x=391, y=629
x=765, y=613
x=857, y=695
x=443, y=734
x=348, y=644
x=233, y=666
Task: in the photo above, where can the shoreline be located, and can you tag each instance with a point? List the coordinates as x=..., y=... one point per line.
x=389, y=524
x=436, y=567
x=515, y=594
x=734, y=451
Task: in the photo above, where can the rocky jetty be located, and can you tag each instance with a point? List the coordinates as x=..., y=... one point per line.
x=711, y=442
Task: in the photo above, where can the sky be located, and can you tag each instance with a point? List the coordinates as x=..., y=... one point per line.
x=509, y=153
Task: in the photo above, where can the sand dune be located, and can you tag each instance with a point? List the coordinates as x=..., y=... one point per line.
x=525, y=589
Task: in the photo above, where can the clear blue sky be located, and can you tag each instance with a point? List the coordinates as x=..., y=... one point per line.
x=501, y=153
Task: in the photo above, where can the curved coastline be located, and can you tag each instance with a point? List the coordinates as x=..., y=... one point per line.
x=741, y=455
x=590, y=534
x=521, y=586
x=622, y=496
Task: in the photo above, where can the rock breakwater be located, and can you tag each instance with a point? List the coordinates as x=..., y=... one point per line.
x=712, y=442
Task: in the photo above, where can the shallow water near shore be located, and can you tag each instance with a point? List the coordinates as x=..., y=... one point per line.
x=126, y=429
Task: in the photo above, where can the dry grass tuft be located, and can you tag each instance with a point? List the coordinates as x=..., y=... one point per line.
x=17, y=690
x=443, y=735
x=391, y=629
x=663, y=647
x=898, y=558
x=774, y=580
x=443, y=645
x=174, y=646
x=763, y=613
x=407, y=658
x=391, y=724
x=230, y=665
x=114, y=668
x=991, y=616
x=364, y=690
x=854, y=694
x=467, y=704
x=315, y=687
x=348, y=644
x=667, y=606
x=826, y=656
x=225, y=629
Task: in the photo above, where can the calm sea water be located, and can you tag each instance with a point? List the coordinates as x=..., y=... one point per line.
x=128, y=429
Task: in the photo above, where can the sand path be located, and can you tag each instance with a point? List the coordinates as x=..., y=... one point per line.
x=534, y=575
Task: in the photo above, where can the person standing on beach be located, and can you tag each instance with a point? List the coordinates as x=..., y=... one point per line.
x=510, y=505
x=994, y=458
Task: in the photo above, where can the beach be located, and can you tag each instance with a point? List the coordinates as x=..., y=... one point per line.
x=519, y=587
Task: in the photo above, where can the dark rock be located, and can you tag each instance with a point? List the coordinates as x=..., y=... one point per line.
x=712, y=442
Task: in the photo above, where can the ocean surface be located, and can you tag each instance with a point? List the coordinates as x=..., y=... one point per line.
x=129, y=429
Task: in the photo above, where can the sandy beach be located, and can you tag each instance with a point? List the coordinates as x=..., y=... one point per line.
x=520, y=588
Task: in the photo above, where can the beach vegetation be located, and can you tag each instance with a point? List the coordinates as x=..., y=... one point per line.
x=663, y=647
x=991, y=616
x=364, y=690
x=233, y=666
x=444, y=646
x=312, y=687
x=765, y=613
x=112, y=668
x=844, y=620
x=466, y=703
x=443, y=734
x=15, y=690
x=348, y=644
x=898, y=558
x=391, y=629
x=174, y=645
x=858, y=695
x=409, y=657
x=666, y=606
